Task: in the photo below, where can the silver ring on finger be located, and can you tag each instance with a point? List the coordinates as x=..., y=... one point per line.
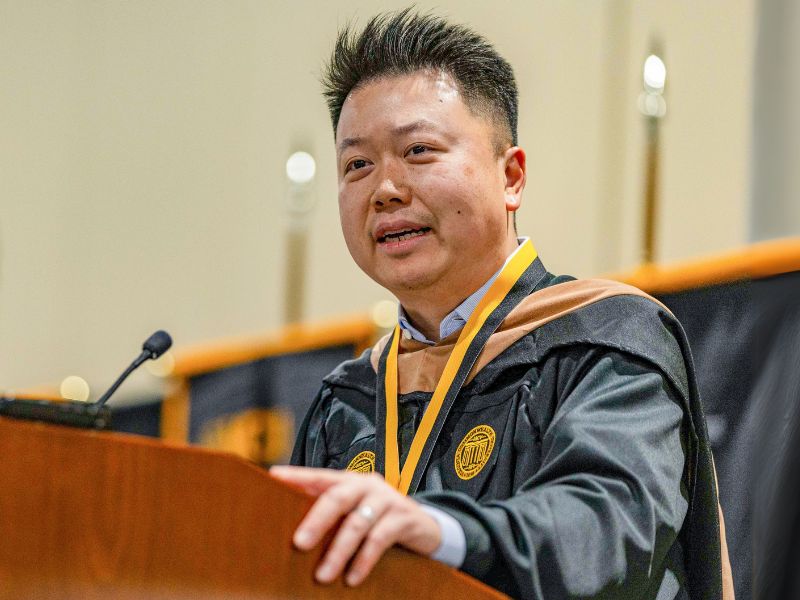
x=366, y=512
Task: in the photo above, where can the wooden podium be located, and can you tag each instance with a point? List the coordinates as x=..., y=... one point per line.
x=87, y=514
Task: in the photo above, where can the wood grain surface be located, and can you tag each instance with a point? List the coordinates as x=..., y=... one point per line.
x=86, y=514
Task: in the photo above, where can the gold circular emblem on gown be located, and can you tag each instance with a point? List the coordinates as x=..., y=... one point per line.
x=474, y=451
x=364, y=462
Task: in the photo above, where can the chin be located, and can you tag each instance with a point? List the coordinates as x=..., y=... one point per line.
x=410, y=282
x=404, y=275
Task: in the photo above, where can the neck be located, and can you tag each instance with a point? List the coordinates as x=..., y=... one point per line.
x=428, y=307
x=427, y=321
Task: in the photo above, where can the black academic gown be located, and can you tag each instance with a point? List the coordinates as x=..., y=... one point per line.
x=575, y=456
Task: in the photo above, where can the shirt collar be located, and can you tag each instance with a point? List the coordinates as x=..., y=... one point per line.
x=459, y=316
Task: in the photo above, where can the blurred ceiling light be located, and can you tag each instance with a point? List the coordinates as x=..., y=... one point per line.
x=655, y=73
x=301, y=167
x=162, y=366
x=384, y=314
x=74, y=388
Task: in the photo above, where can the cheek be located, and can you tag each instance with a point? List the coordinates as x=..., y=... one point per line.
x=346, y=218
x=346, y=221
x=462, y=200
x=450, y=190
x=464, y=189
x=352, y=222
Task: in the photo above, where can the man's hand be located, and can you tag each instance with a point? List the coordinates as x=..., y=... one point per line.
x=376, y=516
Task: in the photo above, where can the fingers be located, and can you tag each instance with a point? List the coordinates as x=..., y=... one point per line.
x=362, y=500
x=373, y=515
x=355, y=528
x=330, y=507
x=379, y=539
x=404, y=523
x=312, y=481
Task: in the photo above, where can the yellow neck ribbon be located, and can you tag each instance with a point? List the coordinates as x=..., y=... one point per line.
x=501, y=286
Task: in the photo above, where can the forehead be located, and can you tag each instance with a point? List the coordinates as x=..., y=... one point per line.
x=388, y=103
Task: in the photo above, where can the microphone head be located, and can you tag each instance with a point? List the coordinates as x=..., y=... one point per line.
x=157, y=344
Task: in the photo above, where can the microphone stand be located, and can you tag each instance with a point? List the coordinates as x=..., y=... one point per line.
x=94, y=415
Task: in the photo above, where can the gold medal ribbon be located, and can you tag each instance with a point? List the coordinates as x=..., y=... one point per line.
x=501, y=286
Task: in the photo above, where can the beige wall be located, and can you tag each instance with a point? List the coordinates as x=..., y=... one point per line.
x=142, y=148
x=775, y=197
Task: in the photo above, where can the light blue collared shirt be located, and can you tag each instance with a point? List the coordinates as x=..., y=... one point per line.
x=459, y=316
x=453, y=546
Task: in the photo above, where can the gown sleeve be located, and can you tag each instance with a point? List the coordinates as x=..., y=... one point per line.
x=310, y=448
x=605, y=507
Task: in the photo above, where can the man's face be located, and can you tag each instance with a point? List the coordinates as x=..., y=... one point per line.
x=422, y=190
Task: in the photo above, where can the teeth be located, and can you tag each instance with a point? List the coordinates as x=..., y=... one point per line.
x=402, y=236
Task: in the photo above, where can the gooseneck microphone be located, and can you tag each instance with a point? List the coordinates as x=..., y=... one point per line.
x=83, y=414
x=154, y=346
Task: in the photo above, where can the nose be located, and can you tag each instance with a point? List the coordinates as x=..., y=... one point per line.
x=391, y=188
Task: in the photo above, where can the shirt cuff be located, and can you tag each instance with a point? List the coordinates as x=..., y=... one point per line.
x=453, y=548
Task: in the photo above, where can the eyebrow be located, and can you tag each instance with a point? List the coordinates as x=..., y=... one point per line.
x=348, y=142
x=419, y=124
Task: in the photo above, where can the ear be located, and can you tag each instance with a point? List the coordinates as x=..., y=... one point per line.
x=515, y=175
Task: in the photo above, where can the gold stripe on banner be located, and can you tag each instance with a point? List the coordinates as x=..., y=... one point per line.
x=757, y=261
x=401, y=480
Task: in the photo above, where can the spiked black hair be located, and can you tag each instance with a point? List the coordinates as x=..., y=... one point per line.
x=405, y=42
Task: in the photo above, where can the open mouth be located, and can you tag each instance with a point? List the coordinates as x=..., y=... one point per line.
x=402, y=235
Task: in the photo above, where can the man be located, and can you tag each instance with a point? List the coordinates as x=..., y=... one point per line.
x=540, y=433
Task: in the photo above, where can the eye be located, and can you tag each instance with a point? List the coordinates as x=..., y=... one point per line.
x=418, y=149
x=356, y=164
